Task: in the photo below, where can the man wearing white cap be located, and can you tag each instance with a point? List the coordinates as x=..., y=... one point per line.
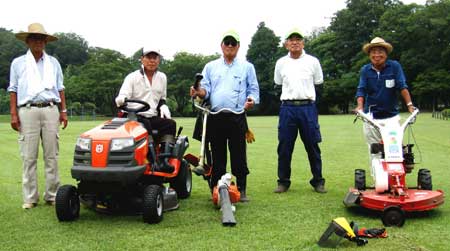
x=37, y=107
x=379, y=83
x=298, y=73
x=150, y=85
x=229, y=83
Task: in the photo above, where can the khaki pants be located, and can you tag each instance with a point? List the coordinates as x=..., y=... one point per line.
x=39, y=124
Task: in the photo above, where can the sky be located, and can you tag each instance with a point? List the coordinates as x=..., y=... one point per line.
x=171, y=26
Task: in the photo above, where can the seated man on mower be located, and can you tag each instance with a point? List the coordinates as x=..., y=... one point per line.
x=150, y=85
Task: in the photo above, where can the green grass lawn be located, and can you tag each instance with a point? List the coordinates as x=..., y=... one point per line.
x=290, y=221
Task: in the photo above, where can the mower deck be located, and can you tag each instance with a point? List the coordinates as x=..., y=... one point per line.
x=413, y=200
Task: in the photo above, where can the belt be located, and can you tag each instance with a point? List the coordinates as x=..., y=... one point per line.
x=297, y=102
x=39, y=105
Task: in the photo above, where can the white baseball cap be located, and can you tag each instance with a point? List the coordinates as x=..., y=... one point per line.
x=146, y=50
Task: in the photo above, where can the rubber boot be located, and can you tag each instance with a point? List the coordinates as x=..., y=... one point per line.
x=166, y=148
x=151, y=155
x=242, y=187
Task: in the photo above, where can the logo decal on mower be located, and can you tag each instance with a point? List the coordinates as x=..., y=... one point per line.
x=99, y=148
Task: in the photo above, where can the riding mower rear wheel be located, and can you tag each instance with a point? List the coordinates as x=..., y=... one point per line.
x=182, y=183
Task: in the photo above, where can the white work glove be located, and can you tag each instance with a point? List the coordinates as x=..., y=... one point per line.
x=120, y=100
x=164, y=111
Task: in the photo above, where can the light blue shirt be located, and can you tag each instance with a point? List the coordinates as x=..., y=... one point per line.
x=17, y=73
x=229, y=86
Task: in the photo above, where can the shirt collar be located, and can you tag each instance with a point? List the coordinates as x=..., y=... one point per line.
x=225, y=62
x=301, y=55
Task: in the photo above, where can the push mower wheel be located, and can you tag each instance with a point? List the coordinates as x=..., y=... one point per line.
x=183, y=182
x=360, y=179
x=393, y=216
x=424, y=180
x=67, y=203
x=153, y=204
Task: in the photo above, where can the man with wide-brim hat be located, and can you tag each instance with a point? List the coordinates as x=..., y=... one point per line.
x=380, y=82
x=37, y=107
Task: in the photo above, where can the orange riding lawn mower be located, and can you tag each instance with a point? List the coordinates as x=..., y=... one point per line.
x=114, y=175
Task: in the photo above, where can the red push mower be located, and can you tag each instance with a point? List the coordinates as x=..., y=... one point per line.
x=390, y=194
x=225, y=194
x=114, y=175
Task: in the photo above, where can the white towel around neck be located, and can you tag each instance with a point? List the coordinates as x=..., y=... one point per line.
x=36, y=82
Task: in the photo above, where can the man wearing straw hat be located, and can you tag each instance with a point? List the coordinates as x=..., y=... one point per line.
x=379, y=83
x=37, y=107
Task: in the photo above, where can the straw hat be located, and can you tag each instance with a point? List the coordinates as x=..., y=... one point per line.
x=377, y=42
x=35, y=28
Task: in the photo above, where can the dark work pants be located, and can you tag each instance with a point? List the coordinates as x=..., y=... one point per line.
x=303, y=119
x=164, y=126
x=228, y=129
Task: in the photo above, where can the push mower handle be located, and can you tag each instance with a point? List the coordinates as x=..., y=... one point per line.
x=145, y=106
x=207, y=110
x=366, y=118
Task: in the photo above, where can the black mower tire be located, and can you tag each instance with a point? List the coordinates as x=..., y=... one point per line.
x=360, y=179
x=153, y=204
x=182, y=183
x=424, y=181
x=67, y=203
x=393, y=216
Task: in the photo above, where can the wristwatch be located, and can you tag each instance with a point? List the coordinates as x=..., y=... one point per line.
x=65, y=110
x=409, y=104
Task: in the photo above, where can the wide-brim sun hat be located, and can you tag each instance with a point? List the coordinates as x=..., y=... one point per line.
x=35, y=28
x=377, y=42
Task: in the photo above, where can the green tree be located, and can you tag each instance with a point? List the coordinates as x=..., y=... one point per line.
x=432, y=88
x=99, y=80
x=353, y=26
x=69, y=49
x=180, y=76
x=263, y=53
x=10, y=48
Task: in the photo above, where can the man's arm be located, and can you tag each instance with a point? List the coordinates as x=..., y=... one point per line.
x=15, y=121
x=407, y=98
x=63, y=110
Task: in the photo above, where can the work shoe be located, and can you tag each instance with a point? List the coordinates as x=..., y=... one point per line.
x=50, y=202
x=280, y=189
x=244, y=197
x=29, y=205
x=198, y=170
x=320, y=189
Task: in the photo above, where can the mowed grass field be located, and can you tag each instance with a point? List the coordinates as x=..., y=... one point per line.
x=291, y=221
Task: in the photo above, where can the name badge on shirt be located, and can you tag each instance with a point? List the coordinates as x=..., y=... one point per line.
x=390, y=83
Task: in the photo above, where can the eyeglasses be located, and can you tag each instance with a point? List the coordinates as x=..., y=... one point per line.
x=228, y=42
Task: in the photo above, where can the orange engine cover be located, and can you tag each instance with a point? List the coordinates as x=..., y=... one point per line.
x=233, y=191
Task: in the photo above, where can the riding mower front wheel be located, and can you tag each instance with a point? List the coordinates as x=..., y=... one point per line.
x=67, y=203
x=153, y=204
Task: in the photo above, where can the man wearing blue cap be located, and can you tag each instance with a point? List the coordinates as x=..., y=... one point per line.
x=298, y=73
x=231, y=84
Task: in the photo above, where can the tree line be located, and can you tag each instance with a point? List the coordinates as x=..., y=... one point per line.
x=420, y=35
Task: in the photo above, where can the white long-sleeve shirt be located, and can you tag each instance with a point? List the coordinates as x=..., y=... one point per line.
x=137, y=86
